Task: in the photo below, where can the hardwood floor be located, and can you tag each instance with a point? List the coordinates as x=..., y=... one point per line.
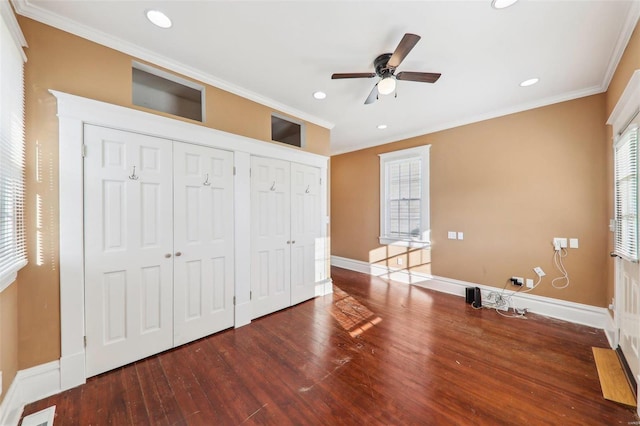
x=375, y=353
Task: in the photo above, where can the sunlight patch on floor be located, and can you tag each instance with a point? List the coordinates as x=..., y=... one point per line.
x=352, y=315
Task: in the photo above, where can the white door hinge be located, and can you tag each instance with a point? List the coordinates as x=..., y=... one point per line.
x=234, y=170
x=250, y=295
x=85, y=341
x=234, y=300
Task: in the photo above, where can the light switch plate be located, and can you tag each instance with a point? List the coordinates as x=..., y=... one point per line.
x=461, y=235
x=452, y=235
x=573, y=243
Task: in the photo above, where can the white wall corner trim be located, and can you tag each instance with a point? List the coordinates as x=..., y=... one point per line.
x=578, y=313
x=28, y=386
x=324, y=287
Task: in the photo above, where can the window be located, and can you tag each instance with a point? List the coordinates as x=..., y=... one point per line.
x=404, y=197
x=626, y=194
x=12, y=226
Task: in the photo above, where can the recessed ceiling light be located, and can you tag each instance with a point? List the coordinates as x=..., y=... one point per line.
x=382, y=126
x=319, y=95
x=501, y=4
x=529, y=82
x=159, y=19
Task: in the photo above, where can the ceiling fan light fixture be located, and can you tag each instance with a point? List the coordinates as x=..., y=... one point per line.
x=502, y=4
x=387, y=85
x=158, y=18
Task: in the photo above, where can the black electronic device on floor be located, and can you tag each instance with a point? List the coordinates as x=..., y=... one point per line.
x=473, y=296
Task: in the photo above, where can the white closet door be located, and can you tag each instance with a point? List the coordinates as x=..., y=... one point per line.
x=270, y=236
x=203, y=241
x=128, y=236
x=306, y=247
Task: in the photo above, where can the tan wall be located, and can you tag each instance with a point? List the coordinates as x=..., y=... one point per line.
x=61, y=61
x=8, y=336
x=629, y=63
x=510, y=184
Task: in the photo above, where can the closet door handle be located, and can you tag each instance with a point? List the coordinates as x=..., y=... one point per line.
x=178, y=253
x=168, y=255
x=273, y=186
x=293, y=242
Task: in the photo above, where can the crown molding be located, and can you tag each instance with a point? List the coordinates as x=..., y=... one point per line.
x=621, y=44
x=29, y=10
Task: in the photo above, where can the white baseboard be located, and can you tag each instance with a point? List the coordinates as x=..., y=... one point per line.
x=72, y=371
x=578, y=313
x=28, y=386
x=611, y=331
x=400, y=275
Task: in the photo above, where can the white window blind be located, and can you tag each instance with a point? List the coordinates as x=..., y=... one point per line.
x=404, y=197
x=626, y=195
x=12, y=225
x=404, y=200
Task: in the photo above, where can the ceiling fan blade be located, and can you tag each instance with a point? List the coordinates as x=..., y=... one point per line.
x=422, y=77
x=406, y=44
x=353, y=75
x=372, y=96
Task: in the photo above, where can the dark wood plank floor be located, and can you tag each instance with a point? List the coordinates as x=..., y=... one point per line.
x=375, y=353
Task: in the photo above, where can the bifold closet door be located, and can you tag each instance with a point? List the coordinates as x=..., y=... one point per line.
x=128, y=247
x=203, y=241
x=270, y=236
x=306, y=249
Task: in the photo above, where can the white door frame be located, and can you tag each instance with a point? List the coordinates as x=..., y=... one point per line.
x=73, y=112
x=627, y=106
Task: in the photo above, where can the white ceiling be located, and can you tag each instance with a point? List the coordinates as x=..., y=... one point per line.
x=280, y=52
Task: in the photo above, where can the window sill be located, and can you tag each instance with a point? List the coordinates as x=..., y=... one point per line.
x=10, y=276
x=388, y=241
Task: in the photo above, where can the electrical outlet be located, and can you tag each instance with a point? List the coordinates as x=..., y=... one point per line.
x=529, y=283
x=538, y=270
x=517, y=281
x=559, y=243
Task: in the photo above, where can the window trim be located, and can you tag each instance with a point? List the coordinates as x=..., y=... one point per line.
x=422, y=152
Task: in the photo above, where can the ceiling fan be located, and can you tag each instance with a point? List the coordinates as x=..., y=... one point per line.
x=385, y=67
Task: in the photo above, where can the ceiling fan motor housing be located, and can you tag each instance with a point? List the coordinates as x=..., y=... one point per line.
x=380, y=64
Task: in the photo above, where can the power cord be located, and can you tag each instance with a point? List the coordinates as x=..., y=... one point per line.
x=558, y=255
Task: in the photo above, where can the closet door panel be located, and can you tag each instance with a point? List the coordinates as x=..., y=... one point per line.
x=128, y=232
x=270, y=230
x=203, y=241
x=306, y=249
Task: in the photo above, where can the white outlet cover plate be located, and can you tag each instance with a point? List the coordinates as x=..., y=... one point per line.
x=529, y=283
x=461, y=235
x=452, y=235
x=573, y=243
